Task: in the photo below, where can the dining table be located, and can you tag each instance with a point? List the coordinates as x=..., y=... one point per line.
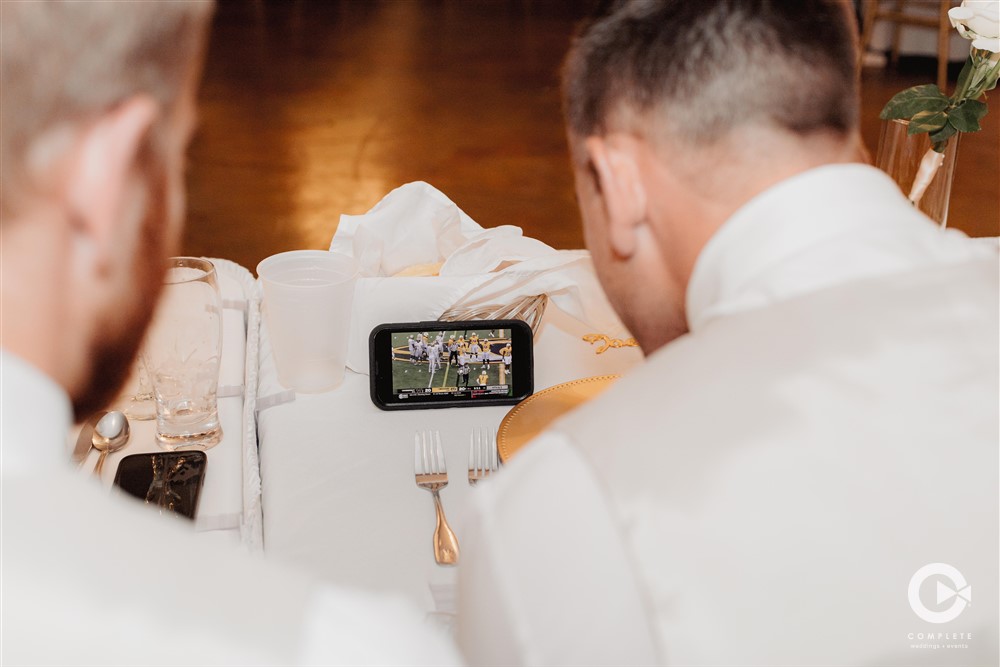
x=339, y=496
x=324, y=482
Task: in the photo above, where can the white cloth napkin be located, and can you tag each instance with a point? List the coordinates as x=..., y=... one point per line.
x=417, y=224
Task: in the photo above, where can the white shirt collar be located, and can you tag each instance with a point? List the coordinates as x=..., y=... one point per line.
x=818, y=229
x=35, y=418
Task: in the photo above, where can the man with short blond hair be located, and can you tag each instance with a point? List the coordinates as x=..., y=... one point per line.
x=95, y=126
x=98, y=105
x=817, y=418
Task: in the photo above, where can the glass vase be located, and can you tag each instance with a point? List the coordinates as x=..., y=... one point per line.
x=900, y=155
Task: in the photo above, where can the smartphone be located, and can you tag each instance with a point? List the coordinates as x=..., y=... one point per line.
x=169, y=481
x=419, y=365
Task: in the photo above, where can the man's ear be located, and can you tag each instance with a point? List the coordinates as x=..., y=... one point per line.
x=99, y=179
x=616, y=169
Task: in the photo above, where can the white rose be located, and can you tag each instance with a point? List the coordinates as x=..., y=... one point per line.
x=987, y=45
x=977, y=19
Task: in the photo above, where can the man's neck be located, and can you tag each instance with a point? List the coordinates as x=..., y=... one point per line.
x=720, y=180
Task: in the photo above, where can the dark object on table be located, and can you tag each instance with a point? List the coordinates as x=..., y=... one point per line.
x=170, y=481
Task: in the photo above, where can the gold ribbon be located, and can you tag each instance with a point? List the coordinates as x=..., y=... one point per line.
x=609, y=342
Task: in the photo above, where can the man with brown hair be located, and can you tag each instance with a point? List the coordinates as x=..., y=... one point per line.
x=804, y=471
x=98, y=106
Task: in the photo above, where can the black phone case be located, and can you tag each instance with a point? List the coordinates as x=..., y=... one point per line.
x=525, y=360
x=170, y=481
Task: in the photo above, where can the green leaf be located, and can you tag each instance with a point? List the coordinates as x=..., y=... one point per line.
x=942, y=136
x=965, y=117
x=908, y=103
x=927, y=121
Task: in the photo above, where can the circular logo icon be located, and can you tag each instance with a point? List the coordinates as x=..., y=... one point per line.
x=950, y=585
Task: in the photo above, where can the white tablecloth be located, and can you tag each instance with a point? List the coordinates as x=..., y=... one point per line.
x=339, y=496
x=229, y=508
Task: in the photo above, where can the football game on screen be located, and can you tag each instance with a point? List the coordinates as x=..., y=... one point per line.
x=467, y=363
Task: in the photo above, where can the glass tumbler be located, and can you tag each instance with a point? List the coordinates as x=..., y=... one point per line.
x=182, y=354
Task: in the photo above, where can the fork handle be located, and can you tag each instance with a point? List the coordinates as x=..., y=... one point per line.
x=445, y=542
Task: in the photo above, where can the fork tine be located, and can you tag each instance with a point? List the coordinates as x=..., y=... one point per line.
x=441, y=468
x=473, y=450
x=480, y=461
x=472, y=453
x=428, y=461
x=484, y=463
x=479, y=450
x=484, y=450
x=494, y=454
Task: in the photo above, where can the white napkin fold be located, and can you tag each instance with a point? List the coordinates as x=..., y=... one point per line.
x=417, y=224
x=413, y=224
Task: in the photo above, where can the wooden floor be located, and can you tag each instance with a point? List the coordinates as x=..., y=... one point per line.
x=313, y=109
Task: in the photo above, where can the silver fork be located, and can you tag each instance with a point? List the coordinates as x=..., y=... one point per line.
x=483, y=460
x=432, y=474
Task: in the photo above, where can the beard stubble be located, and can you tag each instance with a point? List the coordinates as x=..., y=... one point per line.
x=112, y=356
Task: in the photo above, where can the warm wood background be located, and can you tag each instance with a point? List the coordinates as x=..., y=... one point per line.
x=315, y=108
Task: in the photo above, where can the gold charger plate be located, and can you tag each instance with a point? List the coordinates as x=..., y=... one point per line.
x=535, y=413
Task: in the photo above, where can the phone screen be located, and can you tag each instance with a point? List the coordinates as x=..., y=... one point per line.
x=464, y=363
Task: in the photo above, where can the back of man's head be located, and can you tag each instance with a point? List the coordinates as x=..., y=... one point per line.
x=681, y=111
x=64, y=63
x=707, y=67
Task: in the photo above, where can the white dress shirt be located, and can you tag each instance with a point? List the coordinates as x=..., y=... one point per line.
x=762, y=490
x=92, y=579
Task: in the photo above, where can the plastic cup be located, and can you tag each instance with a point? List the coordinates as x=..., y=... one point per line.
x=308, y=296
